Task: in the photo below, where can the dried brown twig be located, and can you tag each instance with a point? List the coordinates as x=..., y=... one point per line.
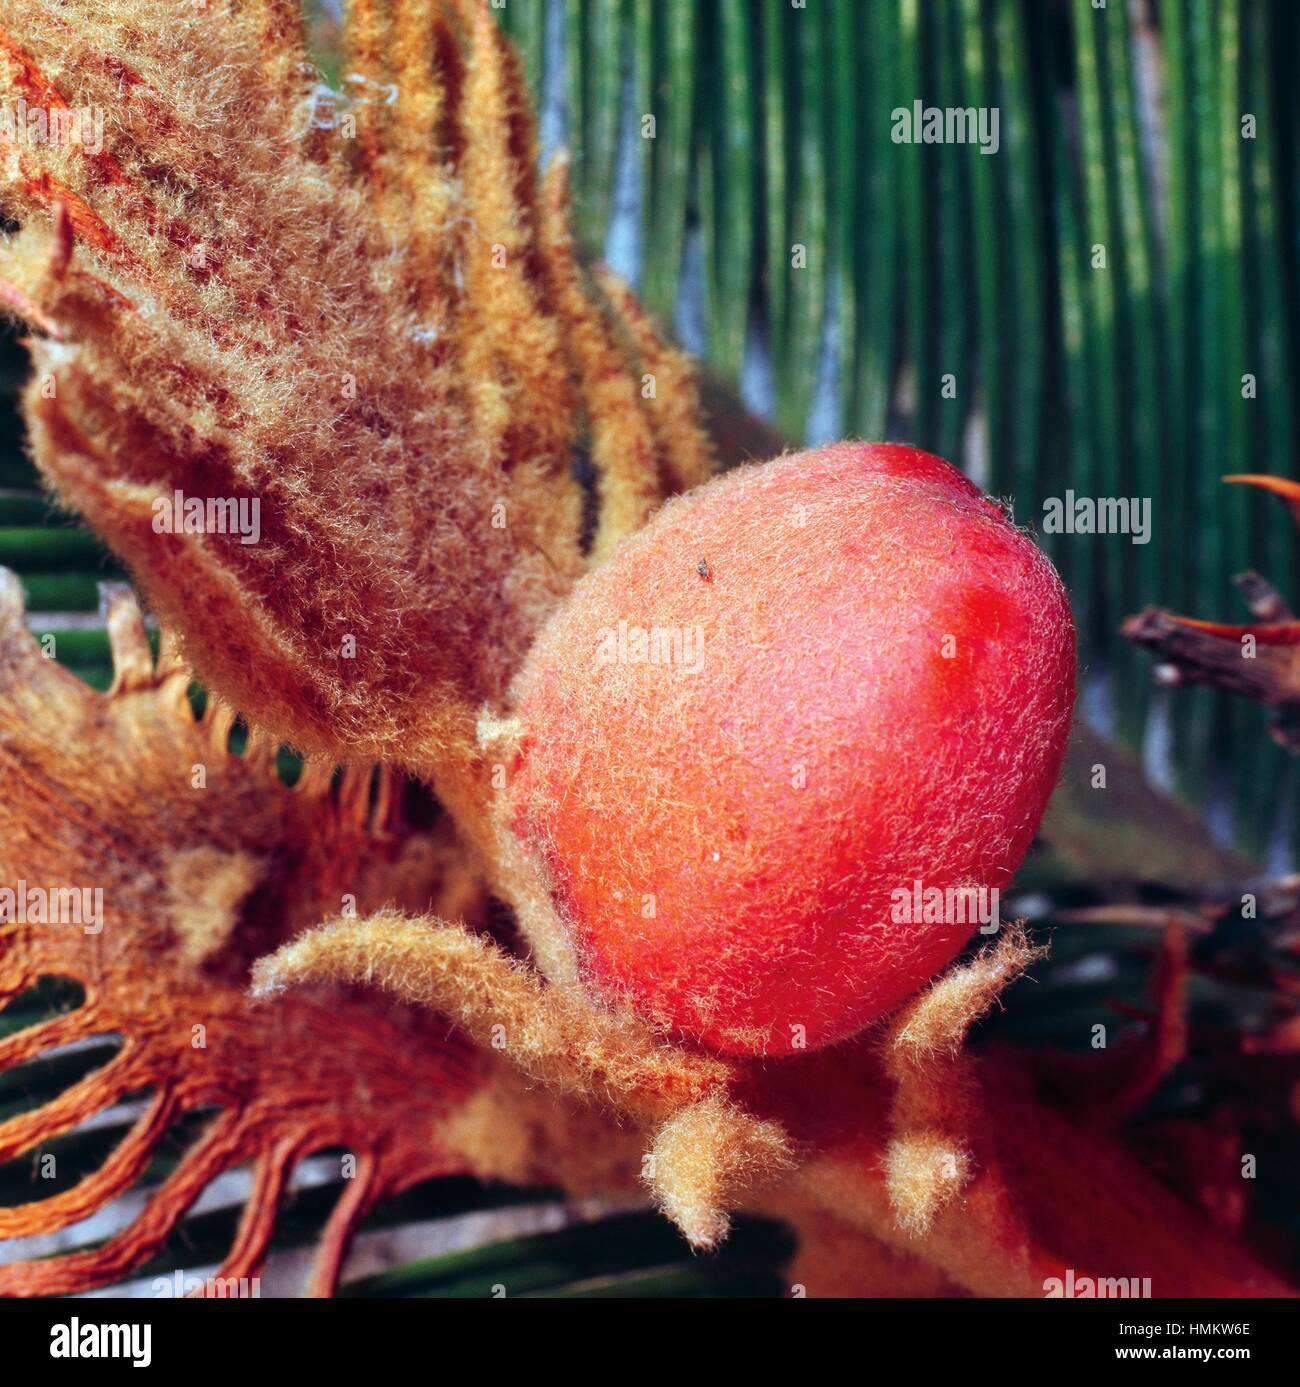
x=1259, y=660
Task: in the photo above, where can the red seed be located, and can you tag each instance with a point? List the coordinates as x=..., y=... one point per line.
x=730, y=783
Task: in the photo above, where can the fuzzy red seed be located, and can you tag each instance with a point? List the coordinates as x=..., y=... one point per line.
x=730, y=782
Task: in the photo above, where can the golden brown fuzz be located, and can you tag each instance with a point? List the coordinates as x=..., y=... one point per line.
x=706, y=1159
x=549, y=1031
x=705, y=1154
x=352, y=310
x=128, y=795
x=936, y=1096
